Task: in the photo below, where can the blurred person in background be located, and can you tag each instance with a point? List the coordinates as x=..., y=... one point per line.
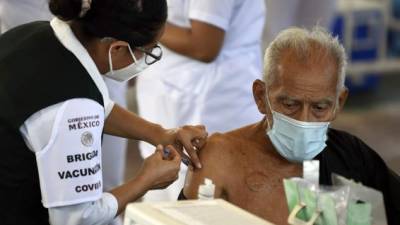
x=14, y=13
x=212, y=54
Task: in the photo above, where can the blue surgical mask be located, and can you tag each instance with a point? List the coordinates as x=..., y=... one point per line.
x=297, y=140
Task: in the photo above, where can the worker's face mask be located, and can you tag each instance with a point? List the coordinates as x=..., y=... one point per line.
x=127, y=72
x=296, y=140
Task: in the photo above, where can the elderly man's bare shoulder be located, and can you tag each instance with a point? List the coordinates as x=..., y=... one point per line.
x=218, y=149
x=223, y=145
x=220, y=158
x=226, y=146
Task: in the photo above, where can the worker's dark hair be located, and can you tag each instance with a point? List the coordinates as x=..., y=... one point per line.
x=137, y=22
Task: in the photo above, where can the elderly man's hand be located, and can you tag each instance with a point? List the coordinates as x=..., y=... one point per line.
x=187, y=138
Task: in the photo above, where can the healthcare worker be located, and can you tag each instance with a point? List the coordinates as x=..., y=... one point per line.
x=212, y=54
x=15, y=13
x=55, y=107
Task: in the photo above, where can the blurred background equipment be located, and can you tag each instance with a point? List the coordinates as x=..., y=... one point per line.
x=369, y=31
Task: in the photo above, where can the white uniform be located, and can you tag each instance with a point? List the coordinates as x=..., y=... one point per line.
x=114, y=148
x=16, y=12
x=179, y=90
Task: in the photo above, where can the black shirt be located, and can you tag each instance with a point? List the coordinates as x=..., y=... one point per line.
x=350, y=157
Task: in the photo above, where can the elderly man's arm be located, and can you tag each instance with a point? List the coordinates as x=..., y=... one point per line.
x=216, y=162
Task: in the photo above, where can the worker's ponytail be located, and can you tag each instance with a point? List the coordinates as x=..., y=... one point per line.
x=137, y=22
x=66, y=9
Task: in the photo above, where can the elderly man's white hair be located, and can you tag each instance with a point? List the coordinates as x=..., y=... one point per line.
x=300, y=40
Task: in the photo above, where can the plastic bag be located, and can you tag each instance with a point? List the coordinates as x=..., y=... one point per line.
x=343, y=203
x=310, y=204
x=362, y=201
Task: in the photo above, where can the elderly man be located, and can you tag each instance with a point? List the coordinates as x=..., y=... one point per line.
x=302, y=92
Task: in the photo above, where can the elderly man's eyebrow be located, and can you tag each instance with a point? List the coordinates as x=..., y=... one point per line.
x=288, y=98
x=327, y=100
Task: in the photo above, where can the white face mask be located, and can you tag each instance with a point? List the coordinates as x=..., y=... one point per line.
x=127, y=72
x=297, y=140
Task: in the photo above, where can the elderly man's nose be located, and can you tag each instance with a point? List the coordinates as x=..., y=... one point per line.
x=305, y=115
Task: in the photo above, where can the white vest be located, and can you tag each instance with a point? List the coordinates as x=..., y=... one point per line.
x=70, y=165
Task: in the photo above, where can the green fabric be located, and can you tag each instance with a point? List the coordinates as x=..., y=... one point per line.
x=359, y=213
x=327, y=206
x=309, y=198
x=295, y=193
x=292, y=197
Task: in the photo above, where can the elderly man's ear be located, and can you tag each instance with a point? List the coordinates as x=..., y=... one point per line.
x=259, y=93
x=343, y=94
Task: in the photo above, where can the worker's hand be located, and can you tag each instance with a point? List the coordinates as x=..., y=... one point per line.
x=160, y=170
x=189, y=139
